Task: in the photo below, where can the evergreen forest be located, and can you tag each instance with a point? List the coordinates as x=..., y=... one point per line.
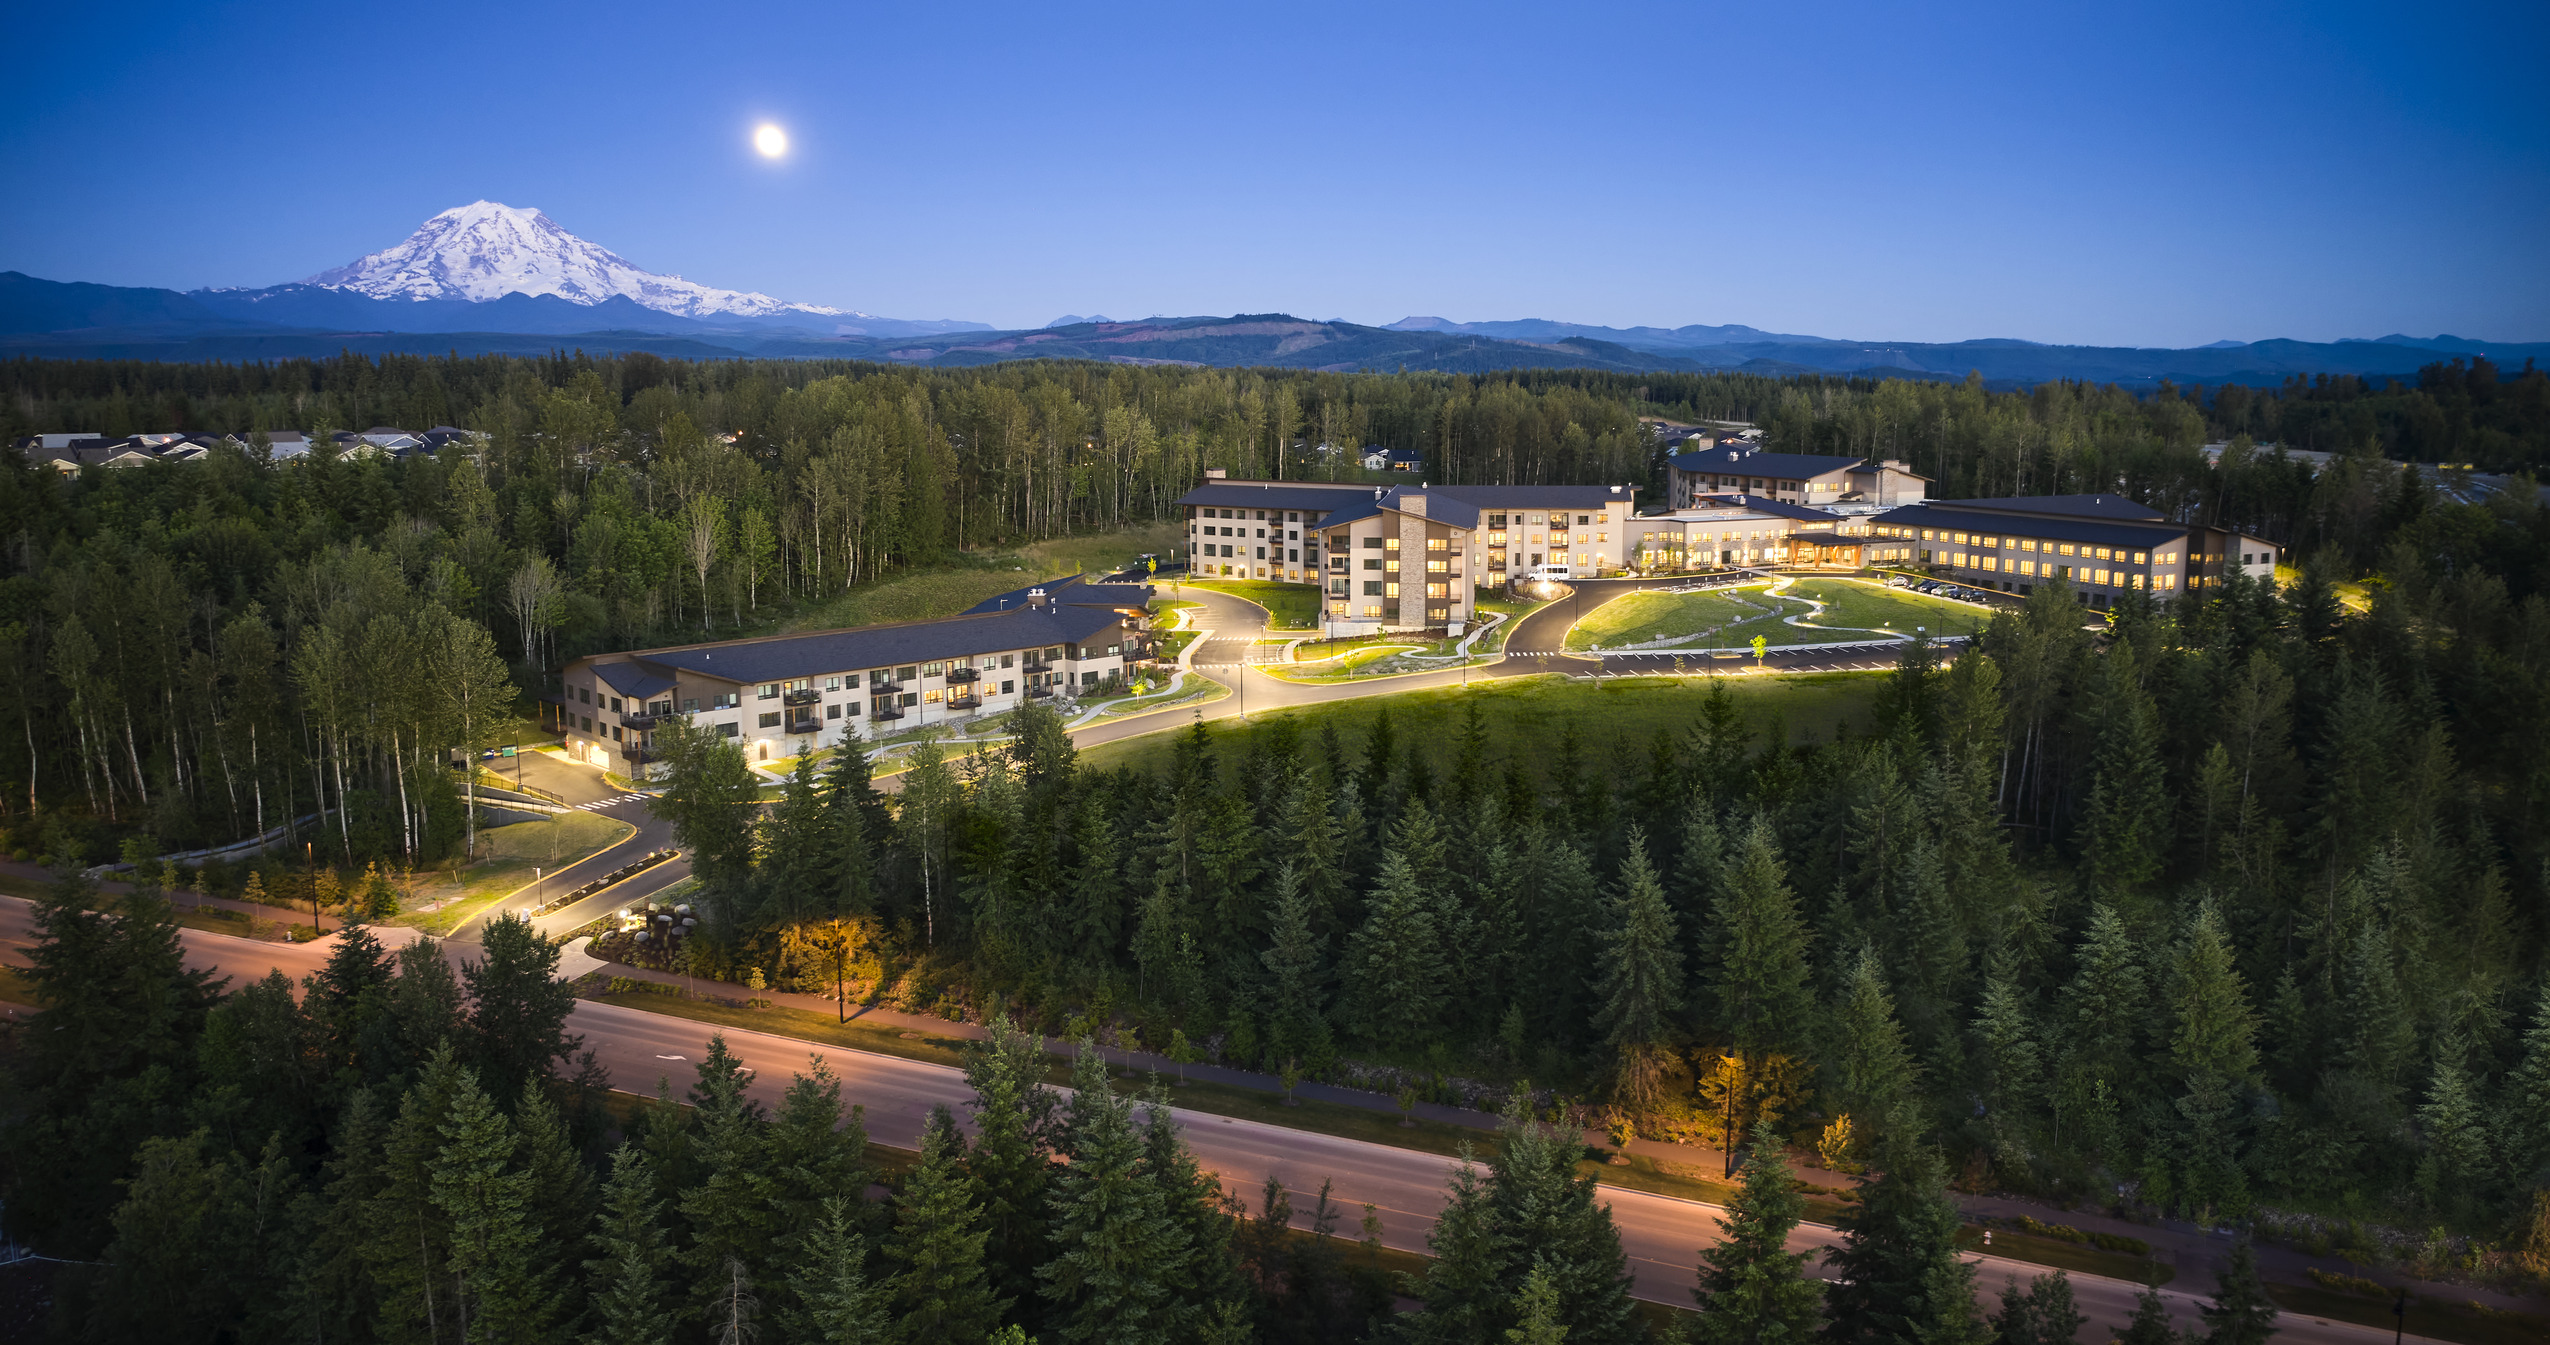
x=2236, y=909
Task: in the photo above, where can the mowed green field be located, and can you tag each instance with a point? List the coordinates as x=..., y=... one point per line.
x=926, y=595
x=1528, y=716
x=1293, y=606
x=1735, y=615
x=1862, y=605
x=1851, y=607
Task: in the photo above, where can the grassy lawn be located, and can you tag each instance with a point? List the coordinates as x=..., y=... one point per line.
x=1865, y=606
x=1731, y=618
x=2438, y=1321
x=1290, y=606
x=2071, y=1256
x=1636, y=618
x=926, y=594
x=510, y=854
x=1529, y=716
x=17, y=989
x=1193, y=688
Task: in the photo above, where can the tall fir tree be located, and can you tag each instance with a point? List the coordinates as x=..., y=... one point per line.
x=1869, y=1068
x=1121, y=1262
x=2041, y=1314
x=832, y=1300
x=1752, y=1289
x=942, y=1290
x=2240, y=1312
x=1898, y=1277
x=1395, y=975
x=1641, y=977
x=628, y=1283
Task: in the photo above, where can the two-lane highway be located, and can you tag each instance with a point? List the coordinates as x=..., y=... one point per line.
x=1661, y=1235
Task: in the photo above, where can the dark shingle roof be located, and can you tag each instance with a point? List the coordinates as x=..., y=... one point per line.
x=1547, y=497
x=782, y=658
x=633, y=679
x=2061, y=528
x=1074, y=589
x=1784, y=466
x=2078, y=506
x=1275, y=495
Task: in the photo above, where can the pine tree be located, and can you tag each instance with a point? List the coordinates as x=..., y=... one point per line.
x=2041, y=1314
x=2150, y=1324
x=2010, y=1062
x=2523, y=1137
x=2125, y=820
x=407, y=1234
x=2104, y=1008
x=496, y=1290
x=2214, y=1050
x=1641, y=984
x=558, y=1199
x=1121, y=1260
x=626, y=1284
x=942, y=1291
x=2240, y=1313
x=814, y=1152
x=1011, y=1161
x=2457, y=1160
x=1753, y=1291
x=1756, y=968
x=1395, y=976
x=1296, y=974
x=518, y=1007
x=728, y=1206
x=835, y=1301
x=1870, y=1070
x=1899, y=1277
x=1526, y=1210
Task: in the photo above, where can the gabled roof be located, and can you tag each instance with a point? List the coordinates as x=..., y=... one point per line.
x=2081, y=506
x=1277, y=494
x=1784, y=466
x=1546, y=497
x=2095, y=530
x=781, y=658
x=633, y=679
x=1074, y=589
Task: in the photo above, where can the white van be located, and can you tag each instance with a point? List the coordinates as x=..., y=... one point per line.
x=1543, y=572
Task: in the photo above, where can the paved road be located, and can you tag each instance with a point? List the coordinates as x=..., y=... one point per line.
x=1661, y=1235
x=584, y=788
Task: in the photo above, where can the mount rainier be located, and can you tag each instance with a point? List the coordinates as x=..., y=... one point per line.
x=486, y=250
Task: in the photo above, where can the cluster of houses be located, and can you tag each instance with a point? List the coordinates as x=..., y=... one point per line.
x=69, y=452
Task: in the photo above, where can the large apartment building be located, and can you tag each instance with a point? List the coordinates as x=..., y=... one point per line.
x=1403, y=558
x=1740, y=468
x=2103, y=545
x=779, y=695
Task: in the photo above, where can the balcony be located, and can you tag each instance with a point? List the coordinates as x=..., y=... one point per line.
x=808, y=696
x=638, y=720
x=1040, y=693
x=808, y=724
x=884, y=688
x=958, y=675
x=640, y=756
x=1139, y=649
x=964, y=700
x=1035, y=664
x=883, y=710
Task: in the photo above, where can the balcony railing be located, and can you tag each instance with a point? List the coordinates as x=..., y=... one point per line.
x=640, y=755
x=639, y=720
x=884, y=688
x=1035, y=665
x=808, y=696
x=881, y=710
x=1039, y=693
x=957, y=675
x=964, y=700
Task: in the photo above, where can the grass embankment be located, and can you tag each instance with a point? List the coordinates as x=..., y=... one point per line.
x=1288, y=606
x=509, y=854
x=1733, y=617
x=1530, y=715
x=2071, y=1256
x=946, y=590
x=210, y=919
x=2465, y=1325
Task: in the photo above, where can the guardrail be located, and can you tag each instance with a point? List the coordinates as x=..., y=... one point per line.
x=618, y=875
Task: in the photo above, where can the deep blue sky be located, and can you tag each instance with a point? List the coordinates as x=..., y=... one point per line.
x=2146, y=175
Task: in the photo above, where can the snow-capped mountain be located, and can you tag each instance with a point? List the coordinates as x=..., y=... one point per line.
x=485, y=250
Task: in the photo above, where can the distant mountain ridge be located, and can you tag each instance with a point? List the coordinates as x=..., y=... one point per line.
x=54, y=319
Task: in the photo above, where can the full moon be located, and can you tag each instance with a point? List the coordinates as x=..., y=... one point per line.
x=770, y=140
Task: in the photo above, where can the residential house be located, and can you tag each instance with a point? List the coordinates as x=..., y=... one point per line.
x=1379, y=459
x=1791, y=478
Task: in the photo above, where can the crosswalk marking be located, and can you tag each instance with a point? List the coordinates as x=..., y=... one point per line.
x=610, y=803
